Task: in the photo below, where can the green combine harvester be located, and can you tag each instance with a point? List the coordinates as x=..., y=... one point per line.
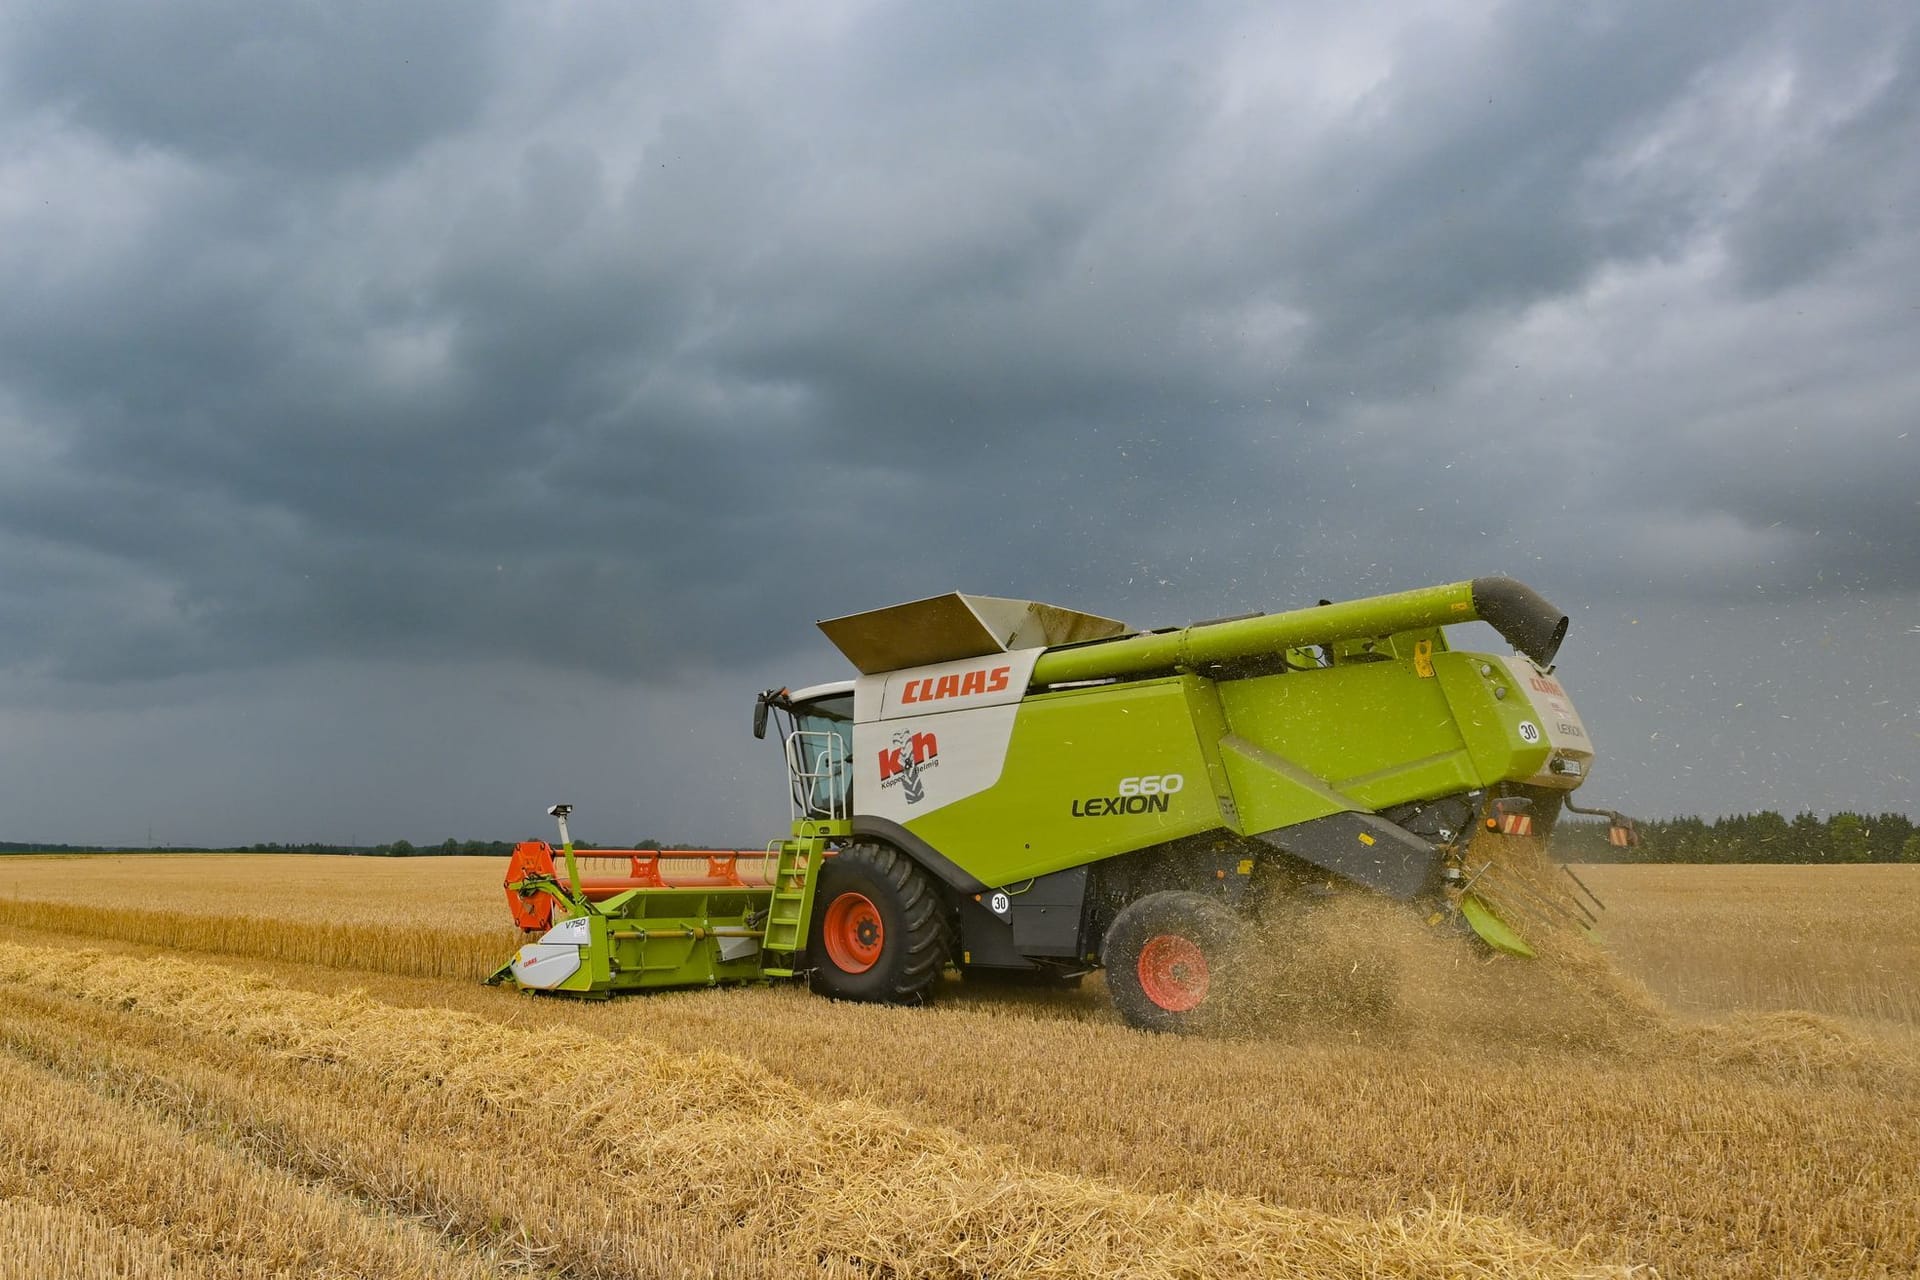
x=1027, y=791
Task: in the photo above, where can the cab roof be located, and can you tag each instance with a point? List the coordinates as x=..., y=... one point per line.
x=813, y=691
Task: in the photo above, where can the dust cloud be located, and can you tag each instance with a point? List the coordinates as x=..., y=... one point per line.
x=1353, y=965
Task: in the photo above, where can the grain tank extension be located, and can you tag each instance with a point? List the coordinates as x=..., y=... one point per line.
x=1025, y=791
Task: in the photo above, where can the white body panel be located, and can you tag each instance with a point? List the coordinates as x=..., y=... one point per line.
x=544, y=966
x=577, y=932
x=926, y=737
x=1559, y=722
x=970, y=683
x=549, y=962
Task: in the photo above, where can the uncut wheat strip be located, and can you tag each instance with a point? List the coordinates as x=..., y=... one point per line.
x=459, y=893
x=417, y=950
x=64, y=1241
x=848, y=1179
x=1834, y=939
x=423, y=1153
x=1810, y=1048
x=63, y=1142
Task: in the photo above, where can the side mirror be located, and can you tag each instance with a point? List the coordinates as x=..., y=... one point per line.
x=760, y=705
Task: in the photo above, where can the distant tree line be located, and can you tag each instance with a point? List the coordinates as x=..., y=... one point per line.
x=1742, y=837
x=1765, y=836
x=15, y=846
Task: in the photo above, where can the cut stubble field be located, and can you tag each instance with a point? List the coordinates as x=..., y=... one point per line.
x=280, y=1066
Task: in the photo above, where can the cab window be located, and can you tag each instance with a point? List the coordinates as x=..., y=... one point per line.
x=827, y=754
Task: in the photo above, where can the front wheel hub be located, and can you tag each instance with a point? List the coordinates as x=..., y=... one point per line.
x=853, y=932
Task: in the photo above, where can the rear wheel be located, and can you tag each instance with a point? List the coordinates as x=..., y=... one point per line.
x=1171, y=959
x=879, y=928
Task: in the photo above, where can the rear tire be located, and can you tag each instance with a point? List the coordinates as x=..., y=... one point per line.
x=879, y=929
x=1171, y=959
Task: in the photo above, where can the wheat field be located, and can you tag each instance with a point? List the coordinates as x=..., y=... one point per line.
x=229, y=1065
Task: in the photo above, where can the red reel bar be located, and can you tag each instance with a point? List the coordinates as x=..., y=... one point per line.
x=606, y=872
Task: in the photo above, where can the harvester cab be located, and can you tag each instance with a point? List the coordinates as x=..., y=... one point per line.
x=816, y=727
x=1014, y=788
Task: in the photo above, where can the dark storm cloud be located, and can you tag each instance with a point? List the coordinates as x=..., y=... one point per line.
x=286, y=87
x=1838, y=191
x=583, y=341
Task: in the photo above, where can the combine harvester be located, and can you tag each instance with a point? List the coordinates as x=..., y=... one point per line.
x=1018, y=789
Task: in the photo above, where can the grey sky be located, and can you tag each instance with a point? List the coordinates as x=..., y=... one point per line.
x=410, y=415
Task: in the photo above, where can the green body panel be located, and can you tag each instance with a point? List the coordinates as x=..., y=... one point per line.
x=1069, y=750
x=1490, y=725
x=1270, y=791
x=1255, y=755
x=1376, y=732
x=664, y=937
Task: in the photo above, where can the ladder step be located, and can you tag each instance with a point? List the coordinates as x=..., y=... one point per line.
x=789, y=914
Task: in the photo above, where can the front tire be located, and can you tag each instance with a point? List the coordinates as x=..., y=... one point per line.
x=1171, y=958
x=879, y=928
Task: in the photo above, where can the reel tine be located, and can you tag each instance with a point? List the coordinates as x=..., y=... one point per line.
x=1583, y=887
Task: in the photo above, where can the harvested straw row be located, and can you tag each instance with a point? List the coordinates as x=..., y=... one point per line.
x=419, y=1154
x=172, y=1196
x=64, y=1241
x=411, y=949
x=743, y=1152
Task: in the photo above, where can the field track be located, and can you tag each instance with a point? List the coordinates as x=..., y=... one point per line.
x=207, y=1091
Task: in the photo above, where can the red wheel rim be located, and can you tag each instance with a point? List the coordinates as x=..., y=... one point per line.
x=853, y=933
x=1173, y=972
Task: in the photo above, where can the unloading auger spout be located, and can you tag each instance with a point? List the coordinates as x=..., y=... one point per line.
x=1522, y=616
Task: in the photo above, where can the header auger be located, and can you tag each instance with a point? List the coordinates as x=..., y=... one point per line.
x=1018, y=789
